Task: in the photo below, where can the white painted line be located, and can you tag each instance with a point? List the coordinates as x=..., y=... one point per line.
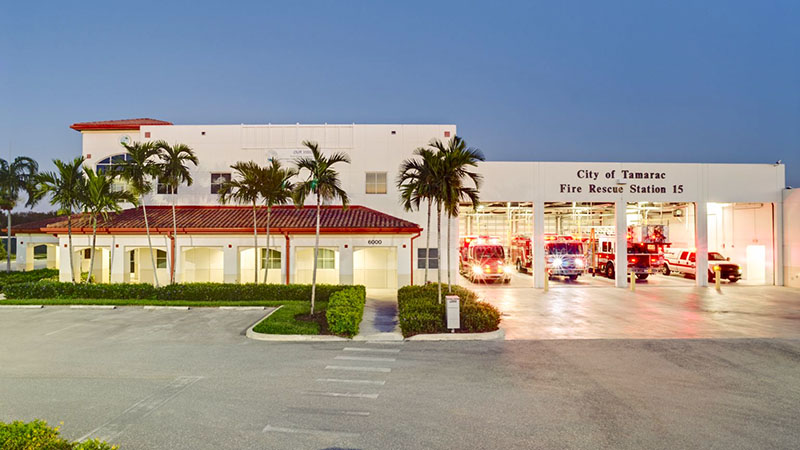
x=365, y=349
x=342, y=394
x=93, y=306
x=364, y=358
x=22, y=306
x=181, y=308
x=327, y=412
x=386, y=342
x=242, y=308
x=340, y=380
x=359, y=368
x=62, y=329
x=270, y=428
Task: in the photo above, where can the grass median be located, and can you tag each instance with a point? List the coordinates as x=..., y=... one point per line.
x=293, y=318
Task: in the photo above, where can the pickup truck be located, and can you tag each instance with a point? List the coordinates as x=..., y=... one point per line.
x=684, y=262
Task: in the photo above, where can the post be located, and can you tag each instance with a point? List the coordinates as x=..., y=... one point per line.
x=547, y=281
x=717, y=281
x=621, y=250
x=701, y=243
x=633, y=282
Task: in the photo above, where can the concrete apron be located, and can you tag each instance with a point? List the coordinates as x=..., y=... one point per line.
x=380, y=317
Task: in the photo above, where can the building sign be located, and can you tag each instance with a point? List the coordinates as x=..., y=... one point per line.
x=624, y=180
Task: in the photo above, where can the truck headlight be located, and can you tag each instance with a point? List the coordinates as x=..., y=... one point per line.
x=579, y=263
x=508, y=269
x=557, y=262
x=476, y=269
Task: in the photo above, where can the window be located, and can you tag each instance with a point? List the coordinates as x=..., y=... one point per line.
x=112, y=162
x=217, y=179
x=376, y=182
x=87, y=253
x=164, y=189
x=326, y=259
x=274, y=258
x=433, y=261
x=132, y=267
x=684, y=255
x=161, y=259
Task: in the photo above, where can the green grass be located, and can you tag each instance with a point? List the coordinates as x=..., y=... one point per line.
x=283, y=320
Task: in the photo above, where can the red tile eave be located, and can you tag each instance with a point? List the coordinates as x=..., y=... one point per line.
x=243, y=230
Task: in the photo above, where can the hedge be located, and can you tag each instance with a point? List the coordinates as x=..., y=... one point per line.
x=345, y=311
x=37, y=435
x=419, y=312
x=31, y=276
x=186, y=291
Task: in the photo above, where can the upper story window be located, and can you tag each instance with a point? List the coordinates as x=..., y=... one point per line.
x=376, y=182
x=112, y=162
x=163, y=188
x=217, y=179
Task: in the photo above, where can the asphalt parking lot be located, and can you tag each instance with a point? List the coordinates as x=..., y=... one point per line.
x=190, y=380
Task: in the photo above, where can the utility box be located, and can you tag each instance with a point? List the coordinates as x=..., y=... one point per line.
x=452, y=312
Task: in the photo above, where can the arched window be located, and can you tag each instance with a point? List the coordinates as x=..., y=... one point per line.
x=112, y=161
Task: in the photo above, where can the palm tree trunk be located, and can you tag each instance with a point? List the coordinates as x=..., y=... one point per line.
x=428, y=242
x=255, y=244
x=447, y=249
x=149, y=243
x=173, y=258
x=266, y=266
x=8, y=241
x=91, y=258
x=439, y=250
x=314, y=271
x=71, y=253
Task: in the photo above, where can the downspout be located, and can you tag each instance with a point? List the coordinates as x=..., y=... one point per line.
x=287, y=258
x=412, y=255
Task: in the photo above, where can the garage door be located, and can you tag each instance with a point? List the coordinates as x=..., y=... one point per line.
x=375, y=267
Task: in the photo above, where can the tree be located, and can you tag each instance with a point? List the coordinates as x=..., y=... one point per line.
x=277, y=189
x=456, y=161
x=417, y=182
x=138, y=170
x=98, y=198
x=15, y=177
x=64, y=187
x=173, y=171
x=245, y=188
x=323, y=181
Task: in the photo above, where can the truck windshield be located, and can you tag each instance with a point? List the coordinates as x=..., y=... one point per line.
x=571, y=248
x=714, y=256
x=488, y=252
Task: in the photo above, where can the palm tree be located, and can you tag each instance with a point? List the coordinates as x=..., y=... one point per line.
x=417, y=182
x=64, y=187
x=137, y=171
x=277, y=189
x=245, y=188
x=17, y=176
x=456, y=161
x=99, y=196
x=322, y=181
x=174, y=171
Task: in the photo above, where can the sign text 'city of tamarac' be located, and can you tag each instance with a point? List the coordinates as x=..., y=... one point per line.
x=634, y=182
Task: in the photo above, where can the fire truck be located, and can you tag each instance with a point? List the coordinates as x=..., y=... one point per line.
x=645, y=250
x=564, y=255
x=482, y=258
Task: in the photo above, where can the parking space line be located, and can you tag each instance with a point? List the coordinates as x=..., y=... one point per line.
x=341, y=394
x=359, y=368
x=386, y=342
x=365, y=358
x=271, y=429
x=366, y=349
x=327, y=411
x=340, y=380
x=62, y=329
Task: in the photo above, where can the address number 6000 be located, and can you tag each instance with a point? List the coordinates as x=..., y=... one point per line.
x=374, y=242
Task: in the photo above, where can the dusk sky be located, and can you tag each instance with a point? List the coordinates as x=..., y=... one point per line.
x=709, y=81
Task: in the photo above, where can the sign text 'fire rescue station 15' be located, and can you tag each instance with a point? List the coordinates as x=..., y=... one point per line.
x=633, y=182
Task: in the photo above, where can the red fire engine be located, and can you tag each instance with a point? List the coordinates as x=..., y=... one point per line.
x=564, y=255
x=645, y=249
x=482, y=258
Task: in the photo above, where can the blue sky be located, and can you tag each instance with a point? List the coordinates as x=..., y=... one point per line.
x=710, y=81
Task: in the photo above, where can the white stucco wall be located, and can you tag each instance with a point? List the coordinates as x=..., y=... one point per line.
x=791, y=237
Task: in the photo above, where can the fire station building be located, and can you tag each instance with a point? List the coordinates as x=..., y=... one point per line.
x=741, y=211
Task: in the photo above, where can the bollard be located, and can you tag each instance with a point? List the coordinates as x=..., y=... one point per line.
x=546, y=280
x=717, y=281
x=633, y=282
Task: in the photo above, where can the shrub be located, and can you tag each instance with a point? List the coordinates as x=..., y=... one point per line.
x=37, y=435
x=55, y=289
x=7, y=278
x=345, y=310
x=419, y=311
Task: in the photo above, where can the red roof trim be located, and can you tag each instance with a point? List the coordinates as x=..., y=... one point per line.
x=125, y=124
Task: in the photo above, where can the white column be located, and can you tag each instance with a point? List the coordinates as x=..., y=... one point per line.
x=345, y=264
x=118, y=263
x=701, y=242
x=621, y=247
x=52, y=256
x=64, y=273
x=777, y=242
x=404, y=261
x=230, y=264
x=537, y=241
x=22, y=254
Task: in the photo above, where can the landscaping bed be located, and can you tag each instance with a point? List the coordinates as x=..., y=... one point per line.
x=419, y=312
x=37, y=435
x=339, y=316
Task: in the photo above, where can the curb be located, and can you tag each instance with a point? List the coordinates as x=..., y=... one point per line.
x=288, y=337
x=496, y=335
x=242, y=308
x=22, y=306
x=181, y=308
x=92, y=306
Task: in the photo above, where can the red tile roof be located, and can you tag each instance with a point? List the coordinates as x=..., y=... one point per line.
x=125, y=124
x=231, y=220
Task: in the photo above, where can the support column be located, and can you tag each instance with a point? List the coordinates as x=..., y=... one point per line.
x=701, y=243
x=777, y=242
x=621, y=244
x=63, y=263
x=230, y=264
x=118, y=264
x=537, y=241
x=52, y=256
x=345, y=264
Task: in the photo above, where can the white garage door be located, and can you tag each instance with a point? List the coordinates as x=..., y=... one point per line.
x=375, y=267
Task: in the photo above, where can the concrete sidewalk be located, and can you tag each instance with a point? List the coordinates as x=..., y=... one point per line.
x=380, y=317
